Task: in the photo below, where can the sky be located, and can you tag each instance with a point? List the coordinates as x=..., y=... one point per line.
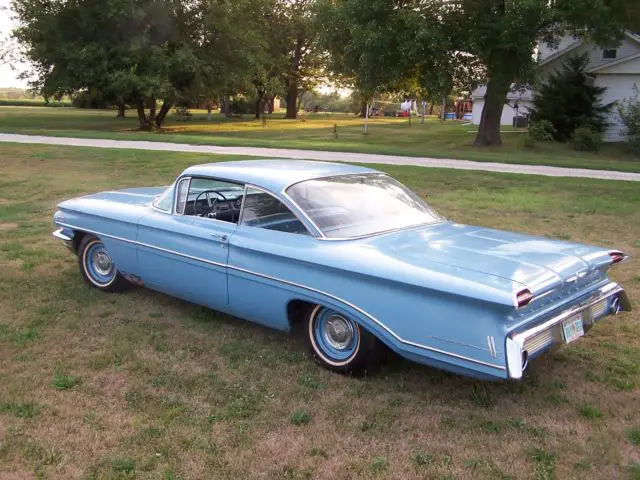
x=8, y=76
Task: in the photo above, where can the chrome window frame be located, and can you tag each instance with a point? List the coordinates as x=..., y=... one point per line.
x=322, y=236
x=247, y=186
x=177, y=194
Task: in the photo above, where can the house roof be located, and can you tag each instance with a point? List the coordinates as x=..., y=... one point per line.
x=273, y=174
x=559, y=53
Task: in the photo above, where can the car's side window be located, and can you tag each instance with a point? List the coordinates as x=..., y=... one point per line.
x=263, y=210
x=211, y=198
x=164, y=200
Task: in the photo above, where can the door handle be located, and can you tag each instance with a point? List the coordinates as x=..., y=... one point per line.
x=221, y=237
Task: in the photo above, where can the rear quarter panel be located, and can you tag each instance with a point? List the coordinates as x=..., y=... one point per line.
x=268, y=269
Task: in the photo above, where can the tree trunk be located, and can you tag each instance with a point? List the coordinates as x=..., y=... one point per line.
x=226, y=107
x=121, y=109
x=292, y=100
x=152, y=111
x=363, y=109
x=292, y=90
x=142, y=117
x=489, y=130
x=162, y=114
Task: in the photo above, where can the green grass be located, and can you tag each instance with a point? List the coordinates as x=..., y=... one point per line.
x=141, y=385
x=391, y=136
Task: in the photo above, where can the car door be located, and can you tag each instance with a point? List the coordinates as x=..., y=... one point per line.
x=263, y=248
x=186, y=255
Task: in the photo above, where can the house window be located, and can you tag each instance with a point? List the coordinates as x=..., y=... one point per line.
x=609, y=53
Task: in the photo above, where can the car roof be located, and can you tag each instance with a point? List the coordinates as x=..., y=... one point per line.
x=274, y=174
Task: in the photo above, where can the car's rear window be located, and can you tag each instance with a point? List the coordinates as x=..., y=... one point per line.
x=350, y=206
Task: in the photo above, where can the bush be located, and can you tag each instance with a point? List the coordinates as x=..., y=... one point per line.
x=586, y=138
x=629, y=113
x=33, y=103
x=242, y=105
x=542, y=131
x=89, y=99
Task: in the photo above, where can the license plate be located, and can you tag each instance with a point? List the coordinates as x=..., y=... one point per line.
x=572, y=328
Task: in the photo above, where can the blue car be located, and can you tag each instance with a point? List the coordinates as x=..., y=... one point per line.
x=353, y=256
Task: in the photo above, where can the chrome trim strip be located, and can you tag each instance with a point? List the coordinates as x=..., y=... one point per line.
x=605, y=292
x=287, y=282
x=244, y=199
x=492, y=346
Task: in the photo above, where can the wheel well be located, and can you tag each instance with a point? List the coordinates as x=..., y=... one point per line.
x=298, y=311
x=78, y=235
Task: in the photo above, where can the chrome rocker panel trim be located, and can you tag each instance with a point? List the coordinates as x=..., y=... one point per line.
x=311, y=289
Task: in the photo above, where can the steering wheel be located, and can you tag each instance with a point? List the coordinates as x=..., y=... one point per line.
x=212, y=204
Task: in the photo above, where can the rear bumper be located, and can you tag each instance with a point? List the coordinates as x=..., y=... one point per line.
x=609, y=299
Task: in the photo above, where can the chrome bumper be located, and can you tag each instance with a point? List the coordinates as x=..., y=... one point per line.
x=550, y=333
x=62, y=235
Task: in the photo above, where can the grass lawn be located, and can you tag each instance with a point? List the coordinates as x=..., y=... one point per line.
x=392, y=136
x=141, y=385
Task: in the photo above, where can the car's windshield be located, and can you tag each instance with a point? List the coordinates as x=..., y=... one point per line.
x=349, y=206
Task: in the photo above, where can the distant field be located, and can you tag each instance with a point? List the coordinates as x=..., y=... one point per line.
x=391, y=136
x=140, y=385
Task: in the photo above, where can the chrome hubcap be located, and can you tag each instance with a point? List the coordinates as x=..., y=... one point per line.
x=338, y=332
x=102, y=263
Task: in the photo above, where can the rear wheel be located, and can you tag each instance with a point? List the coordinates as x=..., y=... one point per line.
x=339, y=343
x=97, y=267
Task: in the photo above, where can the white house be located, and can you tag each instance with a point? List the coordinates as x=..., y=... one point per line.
x=617, y=69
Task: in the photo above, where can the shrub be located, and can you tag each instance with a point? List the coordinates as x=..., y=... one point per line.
x=629, y=113
x=35, y=102
x=586, y=138
x=241, y=105
x=568, y=101
x=542, y=131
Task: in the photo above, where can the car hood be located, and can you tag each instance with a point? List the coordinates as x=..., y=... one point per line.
x=535, y=262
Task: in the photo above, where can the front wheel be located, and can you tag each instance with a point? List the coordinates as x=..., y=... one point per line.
x=339, y=343
x=97, y=267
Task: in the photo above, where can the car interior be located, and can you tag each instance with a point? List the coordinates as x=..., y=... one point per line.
x=220, y=200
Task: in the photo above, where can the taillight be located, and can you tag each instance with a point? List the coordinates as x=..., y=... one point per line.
x=616, y=256
x=523, y=297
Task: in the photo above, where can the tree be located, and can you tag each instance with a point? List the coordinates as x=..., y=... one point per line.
x=568, y=101
x=136, y=51
x=294, y=50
